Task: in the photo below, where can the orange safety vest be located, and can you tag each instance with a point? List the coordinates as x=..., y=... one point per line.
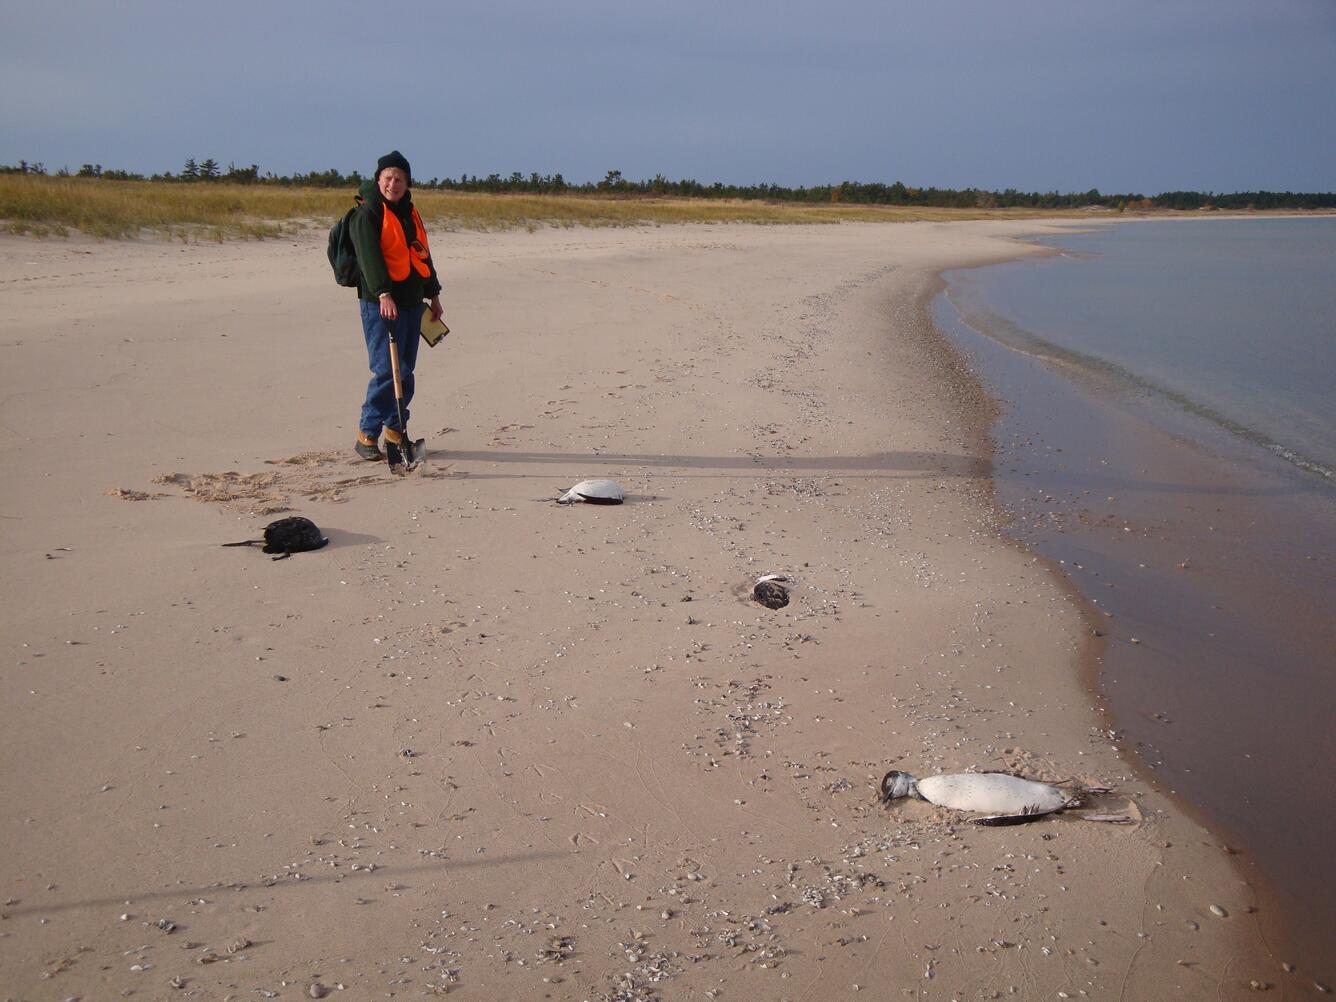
x=398, y=251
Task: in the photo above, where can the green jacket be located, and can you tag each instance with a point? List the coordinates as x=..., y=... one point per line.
x=366, y=224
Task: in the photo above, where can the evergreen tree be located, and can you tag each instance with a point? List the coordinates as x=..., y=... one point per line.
x=242, y=175
x=190, y=172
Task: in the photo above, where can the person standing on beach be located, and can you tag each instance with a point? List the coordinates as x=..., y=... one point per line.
x=397, y=275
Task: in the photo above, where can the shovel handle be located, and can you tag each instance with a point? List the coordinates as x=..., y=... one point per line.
x=394, y=369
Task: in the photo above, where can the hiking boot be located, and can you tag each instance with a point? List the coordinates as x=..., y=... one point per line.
x=367, y=448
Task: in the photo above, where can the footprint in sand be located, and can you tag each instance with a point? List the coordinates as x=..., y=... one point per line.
x=501, y=435
x=313, y=476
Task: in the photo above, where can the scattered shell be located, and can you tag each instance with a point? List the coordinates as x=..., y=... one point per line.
x=317, y=990
x=1219, y=912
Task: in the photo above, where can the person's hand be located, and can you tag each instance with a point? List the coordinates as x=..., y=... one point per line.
x=388, y=310
x=436, y=308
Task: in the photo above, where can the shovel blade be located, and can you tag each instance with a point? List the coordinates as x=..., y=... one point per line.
x=415, y=453
x=406, y=456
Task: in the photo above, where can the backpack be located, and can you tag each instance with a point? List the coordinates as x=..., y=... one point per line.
x=342, y=254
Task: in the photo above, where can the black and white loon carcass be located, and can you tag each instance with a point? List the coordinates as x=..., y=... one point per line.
x=1002, y=799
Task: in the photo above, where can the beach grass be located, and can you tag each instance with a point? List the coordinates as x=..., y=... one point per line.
x=57, y=206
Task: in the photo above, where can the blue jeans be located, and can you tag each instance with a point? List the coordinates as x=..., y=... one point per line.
x=379, y=411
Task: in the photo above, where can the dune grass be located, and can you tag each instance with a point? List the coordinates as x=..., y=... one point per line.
x=56, y=206
x=467, y=210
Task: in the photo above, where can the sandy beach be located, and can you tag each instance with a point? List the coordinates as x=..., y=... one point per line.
x=488, y=747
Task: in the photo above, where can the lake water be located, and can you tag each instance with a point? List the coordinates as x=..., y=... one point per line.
x=1233, y=319
x=1169, y=438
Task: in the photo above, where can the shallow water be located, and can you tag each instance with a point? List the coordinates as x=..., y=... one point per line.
x=1231, y=319
x=1178, y=508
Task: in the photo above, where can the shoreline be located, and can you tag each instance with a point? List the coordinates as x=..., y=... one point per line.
x=1173, y=409
x=477, y=730
x=1052, y=511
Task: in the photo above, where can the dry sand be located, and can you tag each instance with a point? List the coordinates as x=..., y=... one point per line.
x=489, y=747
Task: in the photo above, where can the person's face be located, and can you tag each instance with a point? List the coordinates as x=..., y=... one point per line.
x=392, y=182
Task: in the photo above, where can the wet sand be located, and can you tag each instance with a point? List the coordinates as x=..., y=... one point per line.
x=1210, y=564
x=489, y=747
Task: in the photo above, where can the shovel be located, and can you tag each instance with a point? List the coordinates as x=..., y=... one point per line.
x=406, y=454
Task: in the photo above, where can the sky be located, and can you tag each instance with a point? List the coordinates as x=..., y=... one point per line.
x=1137, y=96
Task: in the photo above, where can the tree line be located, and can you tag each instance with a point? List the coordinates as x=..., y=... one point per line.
x=614, y=184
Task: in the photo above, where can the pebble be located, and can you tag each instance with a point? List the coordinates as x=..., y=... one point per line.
x=1219, y=912
x=317, y=990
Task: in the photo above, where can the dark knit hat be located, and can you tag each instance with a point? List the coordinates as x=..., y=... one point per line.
x=394, y=159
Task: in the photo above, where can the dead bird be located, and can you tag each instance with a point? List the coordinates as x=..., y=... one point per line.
x=287, y=536
x=772, y=590
x=594, y=492
x=1002, y=798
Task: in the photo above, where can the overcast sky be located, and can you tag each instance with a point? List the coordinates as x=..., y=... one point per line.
x=1143, y=96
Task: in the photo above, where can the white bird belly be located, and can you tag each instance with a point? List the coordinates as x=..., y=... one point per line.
x=607, y=491
x=991, y=793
